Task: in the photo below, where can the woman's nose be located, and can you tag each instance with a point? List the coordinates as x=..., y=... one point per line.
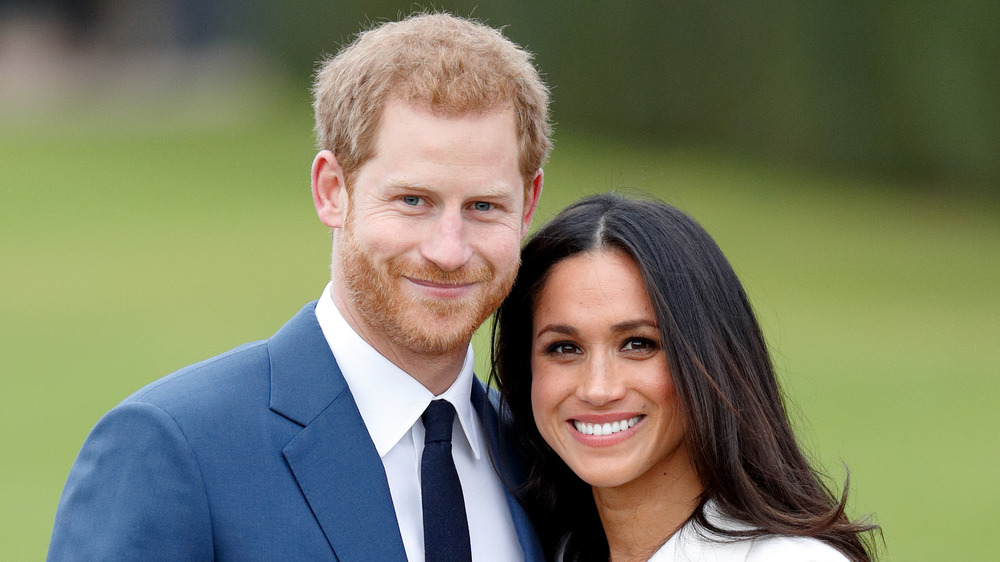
x=601, y=384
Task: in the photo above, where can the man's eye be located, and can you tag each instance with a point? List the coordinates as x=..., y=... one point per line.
x=412, y=200
x=482, y=206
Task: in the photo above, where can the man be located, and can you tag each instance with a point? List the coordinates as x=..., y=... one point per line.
x=325, y=441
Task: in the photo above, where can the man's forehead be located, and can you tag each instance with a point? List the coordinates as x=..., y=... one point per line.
x=406, y=122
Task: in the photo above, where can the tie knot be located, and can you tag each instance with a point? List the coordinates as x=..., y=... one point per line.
x=438, y=418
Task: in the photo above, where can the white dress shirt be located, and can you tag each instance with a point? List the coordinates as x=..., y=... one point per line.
x=391, y=403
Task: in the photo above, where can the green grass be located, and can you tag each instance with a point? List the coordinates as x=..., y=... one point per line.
x=131, y=246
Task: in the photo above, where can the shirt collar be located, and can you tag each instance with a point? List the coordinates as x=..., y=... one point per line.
x=391, y=401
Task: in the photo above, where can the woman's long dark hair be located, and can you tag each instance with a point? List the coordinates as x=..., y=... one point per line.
x=738, y=433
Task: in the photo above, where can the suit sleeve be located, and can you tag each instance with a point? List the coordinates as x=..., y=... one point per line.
x=135, y=492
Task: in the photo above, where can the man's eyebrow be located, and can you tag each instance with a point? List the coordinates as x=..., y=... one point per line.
x=484, y=192
x=406, y=184
x=498, y=192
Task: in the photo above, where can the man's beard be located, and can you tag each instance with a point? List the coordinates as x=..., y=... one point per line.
x=424, y=326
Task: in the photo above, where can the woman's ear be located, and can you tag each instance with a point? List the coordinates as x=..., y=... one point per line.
x=328, y=190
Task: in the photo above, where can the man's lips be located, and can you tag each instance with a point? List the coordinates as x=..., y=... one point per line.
x=440, y=289
x=438, y=284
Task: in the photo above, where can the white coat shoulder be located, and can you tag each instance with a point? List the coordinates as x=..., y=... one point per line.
x=693, y=544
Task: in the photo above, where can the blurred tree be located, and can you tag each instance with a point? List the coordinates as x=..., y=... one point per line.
x=897, y=88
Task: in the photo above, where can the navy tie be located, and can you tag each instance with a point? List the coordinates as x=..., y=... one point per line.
x=446, y=526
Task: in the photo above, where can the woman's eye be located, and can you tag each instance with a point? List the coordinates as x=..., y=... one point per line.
x=411, y=200
x=563, y=348
x=482, y=206
x=639, y=344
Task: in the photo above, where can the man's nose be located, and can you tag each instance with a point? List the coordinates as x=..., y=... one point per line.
x=447, y=245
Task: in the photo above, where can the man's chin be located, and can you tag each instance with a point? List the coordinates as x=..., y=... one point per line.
x=434, y=344
x=429, y=333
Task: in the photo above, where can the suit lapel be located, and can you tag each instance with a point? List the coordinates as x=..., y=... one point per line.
x=507, y=463
x=333, y=458
x=341, y=475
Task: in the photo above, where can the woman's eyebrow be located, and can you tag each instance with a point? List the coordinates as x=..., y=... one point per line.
x=629, y=325
x=559, y=329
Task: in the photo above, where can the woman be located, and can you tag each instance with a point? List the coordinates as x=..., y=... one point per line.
x=639, y=381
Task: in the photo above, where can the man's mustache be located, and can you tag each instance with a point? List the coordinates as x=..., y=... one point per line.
x=465, y=275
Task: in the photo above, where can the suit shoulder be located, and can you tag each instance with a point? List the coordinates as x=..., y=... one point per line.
x=226, y=377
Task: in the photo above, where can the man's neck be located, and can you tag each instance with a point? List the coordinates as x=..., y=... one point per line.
x=436, y=372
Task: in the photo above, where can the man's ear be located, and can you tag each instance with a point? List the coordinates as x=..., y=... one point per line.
x=328, y=190
x=534, y=191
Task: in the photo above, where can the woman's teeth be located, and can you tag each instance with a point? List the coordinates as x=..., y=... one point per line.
x=605, y=428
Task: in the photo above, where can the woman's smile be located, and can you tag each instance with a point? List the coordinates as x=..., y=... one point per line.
x=598, y=429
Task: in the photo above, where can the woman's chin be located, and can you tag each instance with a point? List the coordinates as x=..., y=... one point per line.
x=604, y=476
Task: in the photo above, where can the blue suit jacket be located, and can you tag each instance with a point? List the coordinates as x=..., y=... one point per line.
x=257, y=454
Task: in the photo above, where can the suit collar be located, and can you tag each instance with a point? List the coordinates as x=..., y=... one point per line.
x=389, y=399
x=305, y=378
x=332, y=458
x=507, y=463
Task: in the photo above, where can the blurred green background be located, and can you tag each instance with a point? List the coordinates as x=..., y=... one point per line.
x=155, y=211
